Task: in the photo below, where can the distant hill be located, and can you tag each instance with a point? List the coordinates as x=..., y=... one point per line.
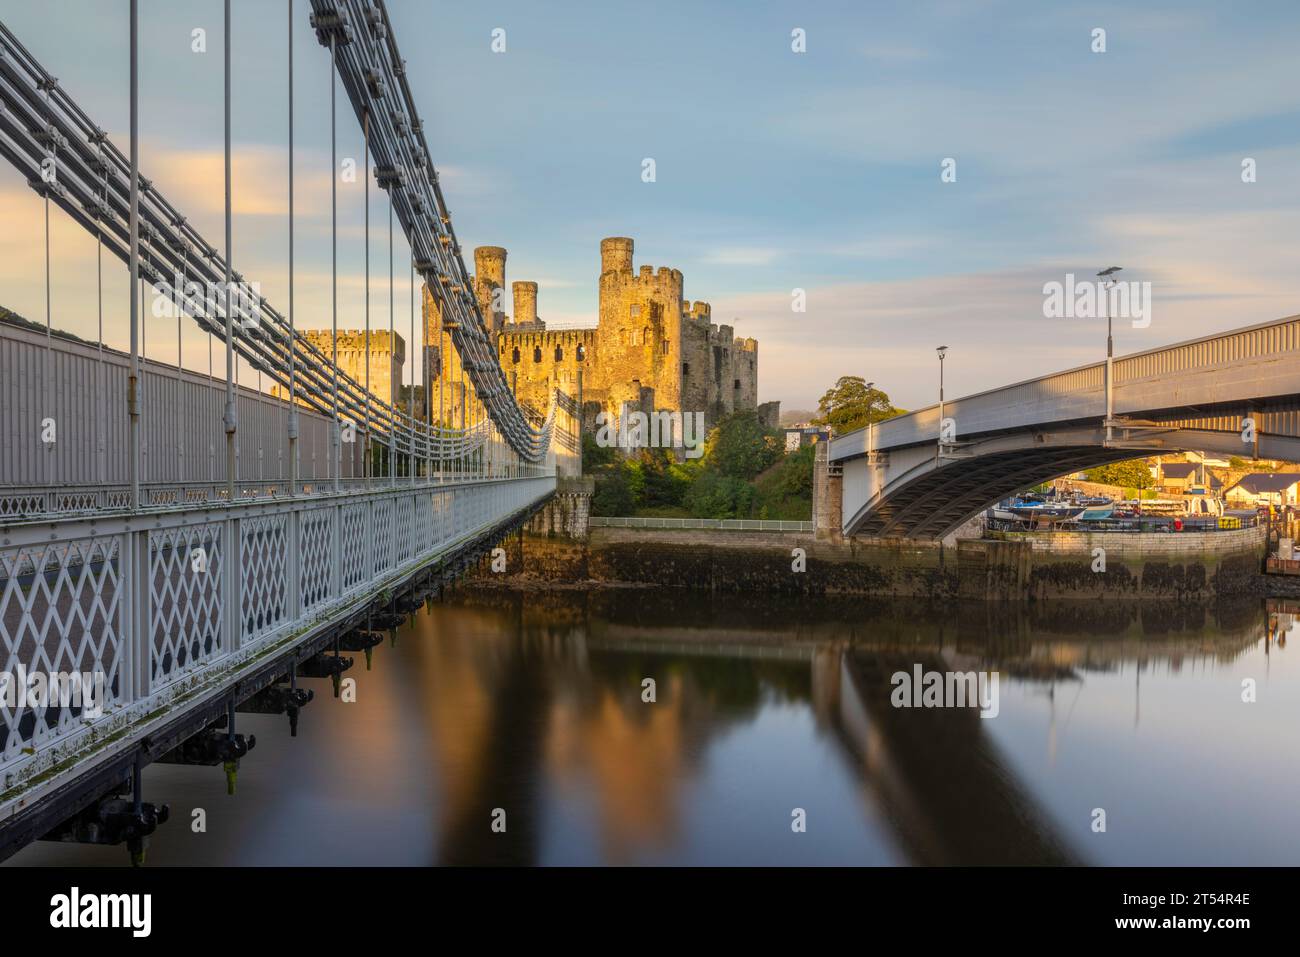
x=795, y=416
x=13, y=319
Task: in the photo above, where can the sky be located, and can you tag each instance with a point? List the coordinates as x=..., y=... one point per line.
x=775, y=170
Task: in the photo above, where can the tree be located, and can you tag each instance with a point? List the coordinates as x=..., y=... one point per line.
x=740, y=446
x=596, y=458
x=713, y=495
x=1131, y=473
x=850, y=405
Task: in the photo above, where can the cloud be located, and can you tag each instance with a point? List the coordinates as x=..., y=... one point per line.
x=993, y=321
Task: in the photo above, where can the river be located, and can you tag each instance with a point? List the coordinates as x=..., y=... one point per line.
x=514, y=727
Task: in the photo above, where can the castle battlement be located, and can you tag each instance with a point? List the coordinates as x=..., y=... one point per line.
x=651, y=346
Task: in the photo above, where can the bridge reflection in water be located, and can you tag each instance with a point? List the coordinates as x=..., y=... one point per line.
x=532, y=704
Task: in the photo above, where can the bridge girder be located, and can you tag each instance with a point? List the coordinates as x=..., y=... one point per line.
x=922, y=495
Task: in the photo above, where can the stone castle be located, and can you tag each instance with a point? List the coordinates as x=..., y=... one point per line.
x=650, y=351
x=387, y=357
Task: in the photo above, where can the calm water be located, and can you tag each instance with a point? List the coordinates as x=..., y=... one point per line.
x=533, y=704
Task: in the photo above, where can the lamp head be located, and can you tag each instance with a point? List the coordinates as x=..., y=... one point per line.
x=943, y=351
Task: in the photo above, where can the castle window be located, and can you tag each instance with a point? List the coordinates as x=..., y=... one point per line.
x=635, y=311
x=686, y=368
x=537, y=356
x=645, y=336
x=559, y=354
x=514, y=355
x=664, y=346
x=736, y=384
x=582, y=352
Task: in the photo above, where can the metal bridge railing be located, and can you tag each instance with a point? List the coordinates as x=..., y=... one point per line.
x=1080, y=393
x=165, y=608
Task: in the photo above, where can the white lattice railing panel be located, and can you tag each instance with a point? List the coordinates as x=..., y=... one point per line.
x=22, y=504
x=405, y=527
x=381, y=534
x=77, y=502
x=352, y=553
x=60, y=616
x=186, y=568
x=442, y=516
x=316, y=538
x=425, y=534
x=77, y=604
x=263, y=569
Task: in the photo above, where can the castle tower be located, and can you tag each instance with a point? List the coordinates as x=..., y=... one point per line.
x=525, y=301
x=639, y=327
x=616, y=255
x=489, y=277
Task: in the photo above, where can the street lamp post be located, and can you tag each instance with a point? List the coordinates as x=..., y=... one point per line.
x=942, y=351
x=1107, y=277
x=871, y=426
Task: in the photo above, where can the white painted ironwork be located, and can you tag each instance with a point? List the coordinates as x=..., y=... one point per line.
x=146, y=600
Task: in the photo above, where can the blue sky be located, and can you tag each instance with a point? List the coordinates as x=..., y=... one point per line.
x=775, y=170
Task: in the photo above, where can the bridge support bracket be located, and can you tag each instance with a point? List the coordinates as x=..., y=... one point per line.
x=279, y=699
x=112, y=820
x=363, y=641
x=209, y=748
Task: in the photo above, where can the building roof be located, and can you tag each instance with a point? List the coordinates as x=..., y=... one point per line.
x=1259, y=482
x=1179, y=470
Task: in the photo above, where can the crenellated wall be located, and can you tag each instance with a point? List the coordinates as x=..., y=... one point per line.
x=651, y=349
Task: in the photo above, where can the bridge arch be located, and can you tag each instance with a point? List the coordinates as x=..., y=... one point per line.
x=1232, y=393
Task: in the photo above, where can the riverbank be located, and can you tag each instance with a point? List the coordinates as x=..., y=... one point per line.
x=1098, y=565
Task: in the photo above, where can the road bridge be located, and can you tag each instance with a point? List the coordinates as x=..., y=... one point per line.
x=923, y=474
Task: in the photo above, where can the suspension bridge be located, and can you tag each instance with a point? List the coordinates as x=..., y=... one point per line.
x=190, y=545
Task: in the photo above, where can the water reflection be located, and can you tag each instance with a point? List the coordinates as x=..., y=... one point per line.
x=531, y=705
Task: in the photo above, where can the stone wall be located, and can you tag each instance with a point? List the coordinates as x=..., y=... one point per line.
x=387, y=356
x=1170, y=566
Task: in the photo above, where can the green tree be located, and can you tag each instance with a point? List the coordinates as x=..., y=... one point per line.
x=850, y=404
x=613, y=495
x=785, y=490
x=713, y=495
x=595, y=457
x=740, y=446
x=1131, y=473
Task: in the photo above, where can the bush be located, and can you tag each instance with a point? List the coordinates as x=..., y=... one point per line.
x=613, y=496
x=713, y=495
x=596, y=457
x=740, y=447
x=717, y=485
x=785, y=492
